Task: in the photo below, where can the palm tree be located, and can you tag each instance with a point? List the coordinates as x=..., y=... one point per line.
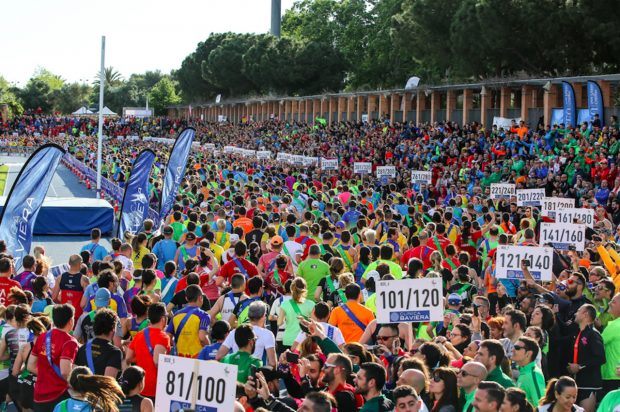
x=112, y=77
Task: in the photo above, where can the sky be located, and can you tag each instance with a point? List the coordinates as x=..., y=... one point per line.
x=64, y=36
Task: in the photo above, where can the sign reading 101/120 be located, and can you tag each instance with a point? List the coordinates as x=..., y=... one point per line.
x=409, y=300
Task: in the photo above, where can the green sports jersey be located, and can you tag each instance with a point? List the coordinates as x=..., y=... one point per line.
x=611, y=402
x=244, y=362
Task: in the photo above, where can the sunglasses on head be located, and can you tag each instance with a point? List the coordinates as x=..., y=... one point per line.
x=571, y=281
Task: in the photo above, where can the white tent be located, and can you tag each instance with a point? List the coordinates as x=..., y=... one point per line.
x=82, y=111
x=107, y=112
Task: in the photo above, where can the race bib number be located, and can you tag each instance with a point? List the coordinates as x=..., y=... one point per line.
x=409, y=300
x=530, y=197
x=550, y=205
x=184, y=381
x=329, y=164
x=362, y=167
x=421, y=177
x=503, y=190
x=386, y=171
x=562, y=235
x=263, y=154
x=508, y=263
x=585, y=216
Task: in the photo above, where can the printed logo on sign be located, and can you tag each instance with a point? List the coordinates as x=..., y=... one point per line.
x=176, y=406
x=19, y=230
x=410, y=316
x=139, y=203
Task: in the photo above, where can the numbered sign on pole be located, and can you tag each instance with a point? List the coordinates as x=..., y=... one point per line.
x=563, y=235
x=421, y=177
x=585, y=216
x=503, y=190
x=184, y=383
x=329, y=164
x=508, y=262
x=550, y=205
x=386, y=171
x=530, y=197
x=362, y=167
x=263, y=154
x=409, y=300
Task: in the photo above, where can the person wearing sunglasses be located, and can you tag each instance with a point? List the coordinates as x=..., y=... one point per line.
x=468, y=378
x=531, y=378
x=336, y=369
x=443, y=390
x=603, y=292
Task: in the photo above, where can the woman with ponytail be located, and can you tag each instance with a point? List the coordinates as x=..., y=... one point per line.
x=293, y=309
x=91, y=393
x=560, y=396
x=515, y=400
x=22, y=381
x=132, y=383
x=149, y=285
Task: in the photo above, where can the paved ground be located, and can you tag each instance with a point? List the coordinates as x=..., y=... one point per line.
x=64, y=184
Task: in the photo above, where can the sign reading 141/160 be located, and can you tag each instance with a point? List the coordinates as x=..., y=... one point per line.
x=409, y=300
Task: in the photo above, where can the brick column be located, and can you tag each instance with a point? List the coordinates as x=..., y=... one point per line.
x=485, y=104
x=372, y=106
x=435, y=99
x=550, y=99
x=468, y=104
x=350, y=107
x=577, y=87
x=504, y=101
x=450, y=104
x=342, y=104
x=420, y=105
x=360, y=109
x=383, y=106
x=606, y=92
x=528, y=101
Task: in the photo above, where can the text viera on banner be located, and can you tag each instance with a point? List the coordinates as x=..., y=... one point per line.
x=386, y=171
x=362, y=167
x=585, y=216
x=421, y=177
x=530, y=197
x=562, y=235
x=503, y=190
x=550, y=205
x=184, y=381
x=509, y=258
x=409, y=300
x=329, y=164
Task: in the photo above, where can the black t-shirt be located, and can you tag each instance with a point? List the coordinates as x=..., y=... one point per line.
x=254, y=236
x=179, y=300
x=104, y=354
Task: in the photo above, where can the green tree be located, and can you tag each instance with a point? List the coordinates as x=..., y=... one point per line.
x=224, y=66
x=8, y=97
x=163, y=94
x=111, y=77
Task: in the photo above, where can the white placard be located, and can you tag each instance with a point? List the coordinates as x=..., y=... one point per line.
x=503, y=190
x=585, y=216
x=263, y=154
x=552, y=204
x=508, y=263
x=209, y=146
x=311, y=161
x=362, y=167
x=365, y=117
x=530, y=197
x=409, y=300
x=61, y=135
x=229, y=149
x=15, y=134
x=421, y=177
x=386, y=171
x=181, y=380
x=221, y=118
x=329, y=164
x=562, y=235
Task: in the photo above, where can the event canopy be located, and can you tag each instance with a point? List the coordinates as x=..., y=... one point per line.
x=82, y=111
x=107, y=112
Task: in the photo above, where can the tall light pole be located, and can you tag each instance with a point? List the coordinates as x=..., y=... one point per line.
x=276, y=17
x=100, y=128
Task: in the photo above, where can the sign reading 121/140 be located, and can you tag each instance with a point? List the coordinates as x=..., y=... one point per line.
x=409, y=300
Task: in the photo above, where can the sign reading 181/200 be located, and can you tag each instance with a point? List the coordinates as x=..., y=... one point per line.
x=409, y=300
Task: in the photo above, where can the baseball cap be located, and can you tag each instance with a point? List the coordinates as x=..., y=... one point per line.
x=340, y=224
x=102, y=298
x=234, y=238
x=190, y=236
x=315, y=204
x=454, y=299
x=373, y=274
x=227, y=203
x=168, y=230
x=546, y=297
x=276, y=240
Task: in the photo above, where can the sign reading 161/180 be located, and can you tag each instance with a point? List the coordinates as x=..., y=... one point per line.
x=409, y=300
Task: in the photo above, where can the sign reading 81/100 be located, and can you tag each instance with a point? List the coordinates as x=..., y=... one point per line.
x=563, y=235
x=409, y=300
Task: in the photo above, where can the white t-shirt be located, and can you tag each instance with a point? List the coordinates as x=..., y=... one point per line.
x=294, y=249
x=126, y=262
x=336, y=334
x=275, y=309
x=264, y=340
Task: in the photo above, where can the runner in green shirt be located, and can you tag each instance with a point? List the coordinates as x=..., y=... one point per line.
x=531, y=378
x=611, y=340
x=245, y=340
x=313, y=269
x=611, y=402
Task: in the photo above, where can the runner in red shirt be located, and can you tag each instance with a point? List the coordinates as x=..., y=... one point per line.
x=6, y=283
x=238, y=264
x=52, y=357
x=305, y=240
x=147, y=345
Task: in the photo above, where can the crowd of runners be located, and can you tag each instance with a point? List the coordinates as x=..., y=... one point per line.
x=273, y=267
